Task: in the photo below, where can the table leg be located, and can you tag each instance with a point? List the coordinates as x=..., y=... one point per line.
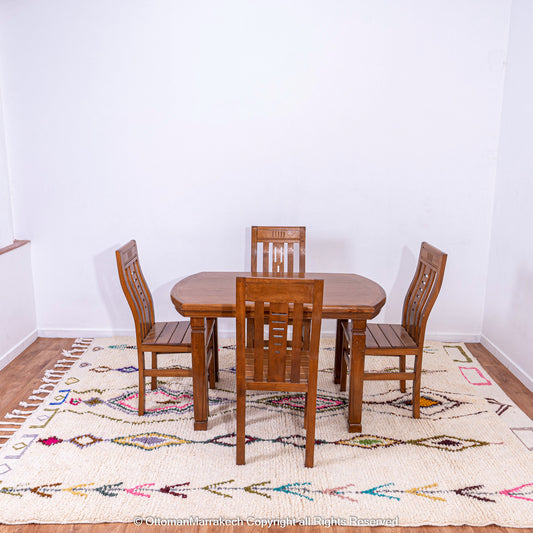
x=357, y=368
x=199, y=373
x=338, y=353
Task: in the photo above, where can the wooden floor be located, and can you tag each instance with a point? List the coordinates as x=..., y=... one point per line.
x=23, y=375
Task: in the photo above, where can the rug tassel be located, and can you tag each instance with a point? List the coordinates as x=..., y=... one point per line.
x=13, y=415
x=77, y=351
x=26, y=404
x=22, y=413
x=68, y=353
x=9, y=424
x=48, y=380
x=42, y=389
x=33, y=397
x=55, y=373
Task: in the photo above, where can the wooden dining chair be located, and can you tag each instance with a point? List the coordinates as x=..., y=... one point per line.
x=276, y=245
x=406, y=338
x=279, y=247
x=278, y=362
x=158, y=337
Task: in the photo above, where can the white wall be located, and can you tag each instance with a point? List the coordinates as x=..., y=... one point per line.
x=6, y=223
x=373, y=123
x=508, y=323
x=17, y=310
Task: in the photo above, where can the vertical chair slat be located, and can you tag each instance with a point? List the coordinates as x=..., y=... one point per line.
x=277, y=341
x=259, y=340
x=411, y=299
x=266, y=257
x=290, y=257
x=424, y=299
x=297, y=342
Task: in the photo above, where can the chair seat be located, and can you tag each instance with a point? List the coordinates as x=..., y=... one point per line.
x=169, y=334
x=383, y=337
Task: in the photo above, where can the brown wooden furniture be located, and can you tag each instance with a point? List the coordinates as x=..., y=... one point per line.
x=280, y=362
x=212, y=294
x=158, y=337
x=275, y=244
x=407, y=338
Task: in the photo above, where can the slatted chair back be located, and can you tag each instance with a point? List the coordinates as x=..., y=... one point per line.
x=276, y=302
x=135, y=289
x=276, y=245
x=423, y=291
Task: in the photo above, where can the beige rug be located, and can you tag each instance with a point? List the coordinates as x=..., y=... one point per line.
x=81, y=453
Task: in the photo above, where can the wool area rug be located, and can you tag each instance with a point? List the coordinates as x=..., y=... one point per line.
x=80, y=453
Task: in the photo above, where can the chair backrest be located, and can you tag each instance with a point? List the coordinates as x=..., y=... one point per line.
x=278, y=248
x=135, y=289
x=275, y=301
x=423, y=291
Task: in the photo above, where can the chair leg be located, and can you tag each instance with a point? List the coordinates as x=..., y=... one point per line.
x=215, y=348
x=154, y=367
x=141, y=382
x=344, y=374
x=417, y=384
x=241, y=421
x=305, y=412
x=310, y=428
x=402, y=369
x=339, y=343
x=212, y=370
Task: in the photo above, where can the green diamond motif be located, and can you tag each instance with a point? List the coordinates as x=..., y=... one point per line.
x=368, y=441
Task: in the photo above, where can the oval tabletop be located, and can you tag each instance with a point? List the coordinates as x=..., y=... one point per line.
x=212, y=294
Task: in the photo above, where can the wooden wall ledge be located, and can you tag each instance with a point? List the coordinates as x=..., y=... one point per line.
x=9, y=247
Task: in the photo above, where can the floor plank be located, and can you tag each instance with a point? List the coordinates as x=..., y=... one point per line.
x=23, y=375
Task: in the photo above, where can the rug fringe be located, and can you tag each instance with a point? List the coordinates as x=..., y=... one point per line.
x=26, y=404
x=42, y=389
x=51, y=378
x=16, y=413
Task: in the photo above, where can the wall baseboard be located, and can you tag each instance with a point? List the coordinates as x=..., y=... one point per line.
x=516, y=370
x=452, y=337
x=18, y=349
x=78, y=333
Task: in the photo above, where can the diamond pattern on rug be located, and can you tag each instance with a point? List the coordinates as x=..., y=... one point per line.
x=91, y=458
x=296, y=402
x=433, y=404
x=150, y=441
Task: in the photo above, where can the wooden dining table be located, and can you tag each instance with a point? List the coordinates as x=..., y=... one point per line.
x=212, y=295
